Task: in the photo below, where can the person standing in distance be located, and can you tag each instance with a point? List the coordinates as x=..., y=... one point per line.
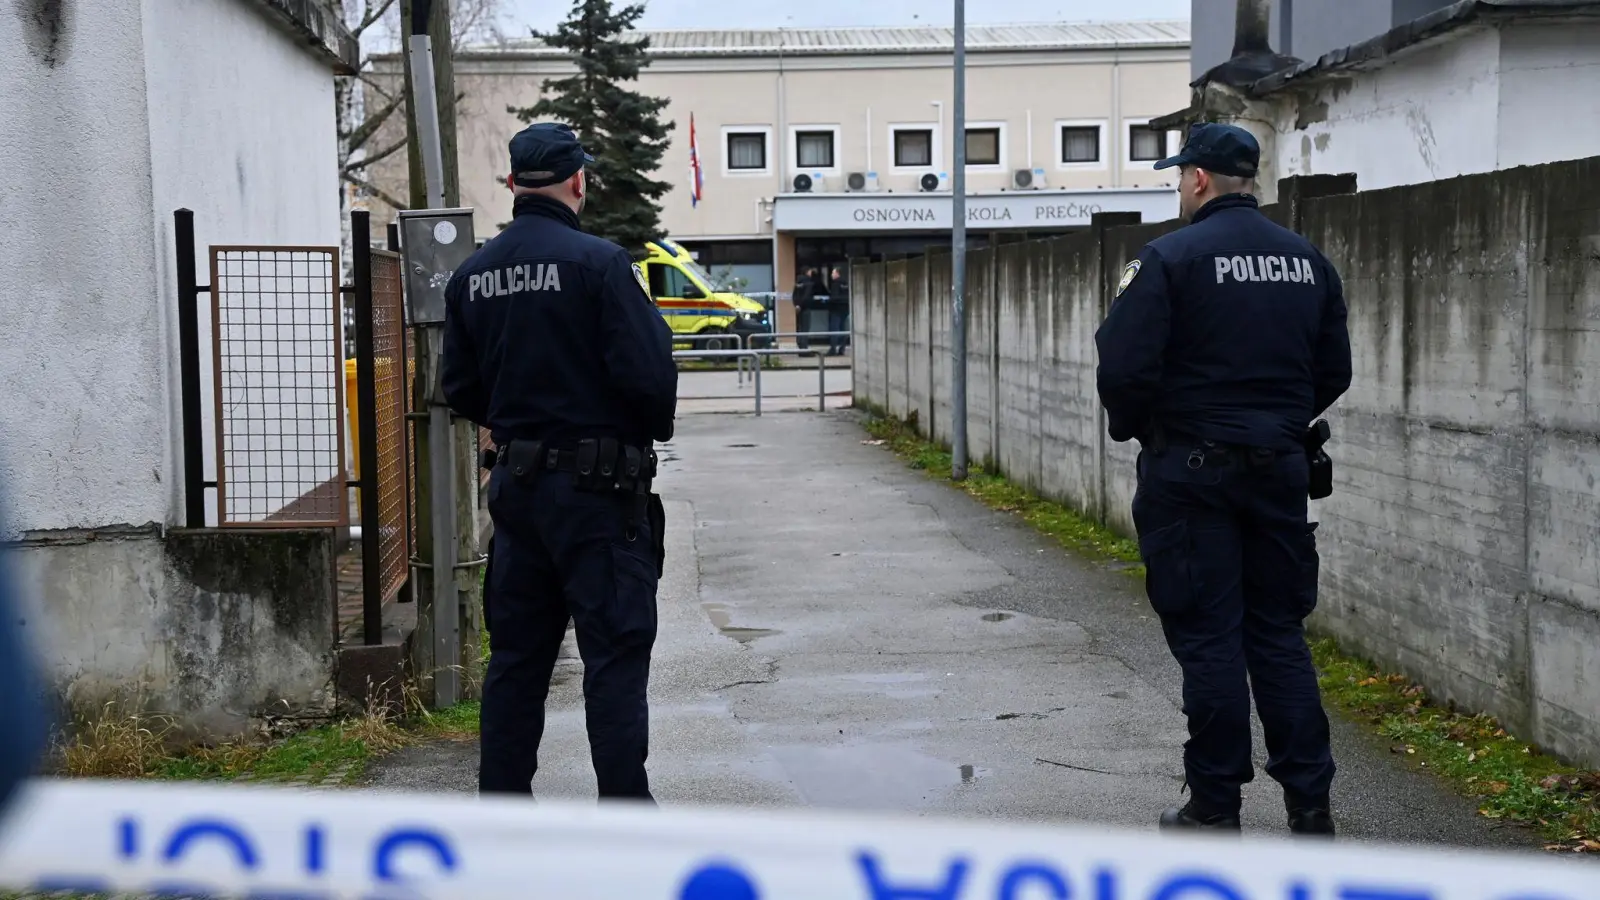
x=1226, y=339
x=552, y=343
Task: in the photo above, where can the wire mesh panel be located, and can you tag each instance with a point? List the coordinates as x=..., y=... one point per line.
x=276, y=332
x=390, y=382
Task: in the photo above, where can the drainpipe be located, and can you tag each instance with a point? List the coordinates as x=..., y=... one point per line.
x=1030, y=140
x=1119, y=131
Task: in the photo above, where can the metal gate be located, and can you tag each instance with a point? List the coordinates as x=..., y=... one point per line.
x=278, y=404
x=384, y=367
x=275, y=328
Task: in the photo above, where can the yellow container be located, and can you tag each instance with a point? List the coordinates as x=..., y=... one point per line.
x=351, y=404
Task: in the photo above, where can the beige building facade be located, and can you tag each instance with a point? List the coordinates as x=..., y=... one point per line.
x=820, y=146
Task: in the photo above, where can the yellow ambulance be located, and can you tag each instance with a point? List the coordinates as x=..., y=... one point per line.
x=693, y=301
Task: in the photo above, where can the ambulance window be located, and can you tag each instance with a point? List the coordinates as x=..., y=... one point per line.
x=676, y=282
x=658, y=280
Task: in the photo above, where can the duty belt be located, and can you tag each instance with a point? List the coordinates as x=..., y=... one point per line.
x=600, y=464
x=1251, y=457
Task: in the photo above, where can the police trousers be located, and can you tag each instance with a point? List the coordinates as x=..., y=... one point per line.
x=1231, y=570
x=557, y=553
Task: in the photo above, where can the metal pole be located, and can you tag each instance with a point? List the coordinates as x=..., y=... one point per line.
x=756, y=359
x=441, y=469
x=194, y=474
x=822, y=382
x=367, y=418
x=958, y=312
x=423, y=94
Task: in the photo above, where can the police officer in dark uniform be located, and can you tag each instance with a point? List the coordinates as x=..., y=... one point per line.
x=1226, y=339
x=553, y=344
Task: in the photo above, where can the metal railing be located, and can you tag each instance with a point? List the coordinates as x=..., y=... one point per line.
x=755, y=357
x=774, y=335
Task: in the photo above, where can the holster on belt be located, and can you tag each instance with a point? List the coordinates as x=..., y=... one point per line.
x=1321, y=464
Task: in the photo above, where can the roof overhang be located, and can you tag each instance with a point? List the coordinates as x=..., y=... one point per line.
x=1442, y=24
x=313, y=26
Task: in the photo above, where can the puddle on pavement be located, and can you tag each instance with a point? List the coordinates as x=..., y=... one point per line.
x=724, y=623
x=998, y=617
x=741, y=446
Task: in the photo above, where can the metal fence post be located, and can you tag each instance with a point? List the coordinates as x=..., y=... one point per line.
x=822, y=381
x=367, y=419
x=194, y=476
x=958, y=312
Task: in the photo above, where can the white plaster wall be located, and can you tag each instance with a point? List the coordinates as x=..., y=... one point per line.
x=83, y=415
x=1430, y=114
x=242, y=131
x=1549, y=93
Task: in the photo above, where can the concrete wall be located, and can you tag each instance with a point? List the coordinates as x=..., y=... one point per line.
x=84, y=423
x=257, y=167
x=221, y=628
x=1459, y=546
x=1479, y=101
x=111, y=116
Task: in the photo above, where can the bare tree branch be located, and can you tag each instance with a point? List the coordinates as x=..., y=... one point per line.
x=379, y=192
x=371, y=17
x=373, y=159
x=364, y=132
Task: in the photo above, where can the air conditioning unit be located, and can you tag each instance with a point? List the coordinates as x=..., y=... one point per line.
x=1028, y=179
x=810, y=182
x=862, y=181
x=930, y=182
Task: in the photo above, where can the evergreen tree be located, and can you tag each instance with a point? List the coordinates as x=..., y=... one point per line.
x=620, y=128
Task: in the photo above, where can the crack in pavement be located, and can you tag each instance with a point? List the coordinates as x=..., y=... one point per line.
x=1063, y=765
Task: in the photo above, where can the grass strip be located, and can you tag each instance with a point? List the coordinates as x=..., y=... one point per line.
x=1069, y=528
x=1511, y=779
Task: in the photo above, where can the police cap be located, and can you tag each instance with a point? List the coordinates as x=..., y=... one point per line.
x=1223, y=149
x=546, y=153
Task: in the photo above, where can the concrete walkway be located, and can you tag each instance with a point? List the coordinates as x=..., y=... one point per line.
x=839, y=631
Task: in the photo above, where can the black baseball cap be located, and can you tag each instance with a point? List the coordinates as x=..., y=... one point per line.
x=1223, y=149
x=546, y=153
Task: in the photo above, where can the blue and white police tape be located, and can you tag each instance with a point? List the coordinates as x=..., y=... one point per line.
x=190, y=840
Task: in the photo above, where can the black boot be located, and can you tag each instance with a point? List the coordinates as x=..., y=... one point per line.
x=1311, y=821
x=1192, y=818
x=1309, y=816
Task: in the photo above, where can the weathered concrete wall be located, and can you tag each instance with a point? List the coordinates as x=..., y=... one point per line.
x=1460, y=545
x=220, y=628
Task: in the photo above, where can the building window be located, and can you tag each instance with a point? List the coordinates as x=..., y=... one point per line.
x=913, y=148
x=814, y=149
x=747, y=151
x=1146, y=144
x=1080, y=144
x=983, y=146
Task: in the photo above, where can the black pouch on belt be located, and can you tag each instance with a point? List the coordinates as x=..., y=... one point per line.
x=525, y=459
x=606, y=467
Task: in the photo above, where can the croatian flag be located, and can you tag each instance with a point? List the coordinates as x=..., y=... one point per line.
x=695, y=182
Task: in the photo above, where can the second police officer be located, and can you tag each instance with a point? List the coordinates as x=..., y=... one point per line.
x=553, y=343
x=1226, y=339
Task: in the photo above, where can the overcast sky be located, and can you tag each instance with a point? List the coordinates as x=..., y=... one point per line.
x=524, y=14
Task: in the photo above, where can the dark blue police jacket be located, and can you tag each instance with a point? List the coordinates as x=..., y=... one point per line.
x=1230, y=329
x=551, y=335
